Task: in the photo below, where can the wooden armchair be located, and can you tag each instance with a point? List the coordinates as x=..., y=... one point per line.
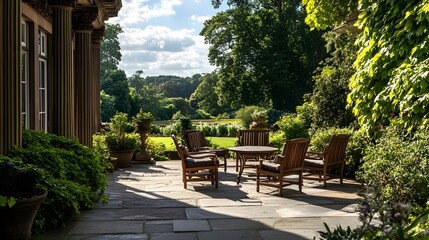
x=290, y=162
x=196, y=142
x=252, y=137
x=197, y=166
x=319, y=166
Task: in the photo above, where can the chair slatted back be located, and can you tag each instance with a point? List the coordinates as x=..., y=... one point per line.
x=336, y=150
x=294, y=153
x=183, y=153
x=253, y=137
x=195, y=140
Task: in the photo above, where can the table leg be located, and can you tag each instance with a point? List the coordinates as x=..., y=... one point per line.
x=242, y=159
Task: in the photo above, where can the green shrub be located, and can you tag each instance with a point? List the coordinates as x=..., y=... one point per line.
x=245, y=114
x=156, y=150
x=400, y=166
x=292, y=127
x=221, y=130
x=73, y=176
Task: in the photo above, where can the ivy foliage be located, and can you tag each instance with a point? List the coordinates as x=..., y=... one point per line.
x=392, y=66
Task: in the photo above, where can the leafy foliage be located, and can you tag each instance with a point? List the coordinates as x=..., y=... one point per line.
x=245, y=114
x=400, y=167
x=391, y=79
x=392, y=70
x=115, y=84
x=118, y=139
x=263, y=49
x=110, y=50
x=329, y=98
x=328, y=13
x=71, y=173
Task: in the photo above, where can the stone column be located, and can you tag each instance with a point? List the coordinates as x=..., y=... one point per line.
x=10, y=81
x=62, y=77
x=97, y=36
x=84, y=87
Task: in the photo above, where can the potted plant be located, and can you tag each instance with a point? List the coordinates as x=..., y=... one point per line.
x=259, y=119
x=120, y=142
x=143, y=121
x=20, y=198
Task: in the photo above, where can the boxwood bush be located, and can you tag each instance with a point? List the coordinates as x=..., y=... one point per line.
x=72, y=174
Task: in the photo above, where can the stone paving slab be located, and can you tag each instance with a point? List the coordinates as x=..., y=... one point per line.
x=229, y=235
x=110, y=237
x=231, y=212
x=113, y=227
x=315, y=211
x=191, y=225
x=295, y=234
x=210, y=202
x=158, y=226
x=175, y=236
x=133, y=214
x=237, y=224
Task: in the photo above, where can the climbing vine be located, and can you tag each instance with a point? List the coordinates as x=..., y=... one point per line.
x=391, y=82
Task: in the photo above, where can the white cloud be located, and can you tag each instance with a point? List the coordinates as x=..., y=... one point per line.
x=140, y=11
x=159, y=50
x=199, y=19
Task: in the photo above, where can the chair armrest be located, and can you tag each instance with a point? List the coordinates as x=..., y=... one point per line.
x=202, y=148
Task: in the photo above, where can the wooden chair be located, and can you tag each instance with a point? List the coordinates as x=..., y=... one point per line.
x=196, y=142
x=290, y=162
x=319, y=166
x=252, y=137
x=197, y=167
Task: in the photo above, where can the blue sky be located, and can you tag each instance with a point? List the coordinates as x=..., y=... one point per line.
x=161, y=37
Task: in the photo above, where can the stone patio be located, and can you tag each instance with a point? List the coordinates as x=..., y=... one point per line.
x=149, y=202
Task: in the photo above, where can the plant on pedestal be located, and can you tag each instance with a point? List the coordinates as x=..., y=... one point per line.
x=143, y=121
x=259, y=120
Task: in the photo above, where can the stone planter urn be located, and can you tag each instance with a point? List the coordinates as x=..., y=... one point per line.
x=143, y=121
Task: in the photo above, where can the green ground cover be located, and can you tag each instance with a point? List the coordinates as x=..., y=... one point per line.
x=201, y=121
x=220, y=142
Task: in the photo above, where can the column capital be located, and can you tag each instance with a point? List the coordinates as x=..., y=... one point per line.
x=65, y=3
x=97, y=35
x=84, y=16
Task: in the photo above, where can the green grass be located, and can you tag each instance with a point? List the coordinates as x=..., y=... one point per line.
x=219, y=142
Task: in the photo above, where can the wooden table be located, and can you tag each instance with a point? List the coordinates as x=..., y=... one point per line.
x=243, y=152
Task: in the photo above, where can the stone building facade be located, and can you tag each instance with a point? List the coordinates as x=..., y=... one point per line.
x=50, y=67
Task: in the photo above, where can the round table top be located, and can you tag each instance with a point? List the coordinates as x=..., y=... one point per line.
x=253, y=149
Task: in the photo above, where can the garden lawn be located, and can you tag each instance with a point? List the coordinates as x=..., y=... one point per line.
x=218, y=142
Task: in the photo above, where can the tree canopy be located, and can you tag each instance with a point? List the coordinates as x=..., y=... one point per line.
x=110, y=50
x=264, y=53
x=392, y=65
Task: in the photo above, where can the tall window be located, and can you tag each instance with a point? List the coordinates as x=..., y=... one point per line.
x=43, y=77
x=24, y=74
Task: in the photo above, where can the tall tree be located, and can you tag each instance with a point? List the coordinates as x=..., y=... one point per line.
x=116, y=85
x=110, y=50
x=261, y=48
x=206, y=97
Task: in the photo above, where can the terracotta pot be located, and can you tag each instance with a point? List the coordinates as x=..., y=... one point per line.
x=16, y=222
x=123, y=158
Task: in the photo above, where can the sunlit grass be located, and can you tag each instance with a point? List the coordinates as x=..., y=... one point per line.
x=219, y=142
